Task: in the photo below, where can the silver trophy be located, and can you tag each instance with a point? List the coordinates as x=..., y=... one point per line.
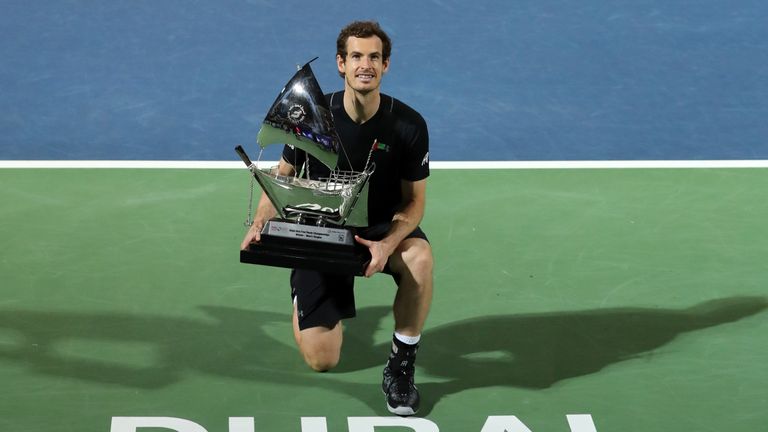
x=316, y=220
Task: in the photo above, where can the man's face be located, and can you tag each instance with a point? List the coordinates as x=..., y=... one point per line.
x=364, y=65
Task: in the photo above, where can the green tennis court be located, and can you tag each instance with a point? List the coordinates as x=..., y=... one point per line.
x=637, y=297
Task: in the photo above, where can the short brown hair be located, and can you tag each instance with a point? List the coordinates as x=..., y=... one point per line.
x=363, y=29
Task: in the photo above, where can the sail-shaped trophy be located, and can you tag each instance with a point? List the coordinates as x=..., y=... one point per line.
x=316, y=217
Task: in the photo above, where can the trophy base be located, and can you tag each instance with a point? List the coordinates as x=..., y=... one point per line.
x=293, y=251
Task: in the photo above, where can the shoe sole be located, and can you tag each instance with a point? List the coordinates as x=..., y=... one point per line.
x=401, y=411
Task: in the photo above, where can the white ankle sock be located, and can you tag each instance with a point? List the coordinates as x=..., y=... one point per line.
x=409, y=340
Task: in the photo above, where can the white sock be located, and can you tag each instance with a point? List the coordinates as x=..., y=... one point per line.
x=408, y=340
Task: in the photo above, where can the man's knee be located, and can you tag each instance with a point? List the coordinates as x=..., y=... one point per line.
x=322, y=362
x=422, y=262
x=321, y=347
x=415, y=257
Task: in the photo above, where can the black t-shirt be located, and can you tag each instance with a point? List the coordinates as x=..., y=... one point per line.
x=401, y=152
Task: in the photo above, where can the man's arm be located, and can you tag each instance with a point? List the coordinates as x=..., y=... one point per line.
x=403, y=223
x=265, y=210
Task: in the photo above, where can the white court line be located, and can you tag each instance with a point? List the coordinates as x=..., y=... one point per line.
x=109, y=164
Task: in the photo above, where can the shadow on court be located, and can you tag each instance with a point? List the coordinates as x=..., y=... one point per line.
x=147, y=352
x=530, y=351
x=537, y=351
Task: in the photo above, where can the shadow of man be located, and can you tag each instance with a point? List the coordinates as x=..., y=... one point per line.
x=530, y=351
x=149, y=351
x=538, y=350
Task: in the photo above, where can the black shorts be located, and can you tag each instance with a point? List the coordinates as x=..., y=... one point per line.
x=323, y=299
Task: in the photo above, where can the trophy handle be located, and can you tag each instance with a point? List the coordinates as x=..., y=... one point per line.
x=244, y=156
x=252, y=168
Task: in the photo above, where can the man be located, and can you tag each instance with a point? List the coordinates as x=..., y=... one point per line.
x=365, y=118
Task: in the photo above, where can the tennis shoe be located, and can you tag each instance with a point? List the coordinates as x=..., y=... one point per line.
x=402, y=395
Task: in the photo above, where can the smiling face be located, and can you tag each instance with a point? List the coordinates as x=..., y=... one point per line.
x=364, y=64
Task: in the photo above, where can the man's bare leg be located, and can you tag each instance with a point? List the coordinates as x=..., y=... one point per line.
x=413, y=262
x=320, y=346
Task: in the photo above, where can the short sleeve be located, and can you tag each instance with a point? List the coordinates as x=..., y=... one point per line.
x=416, y=160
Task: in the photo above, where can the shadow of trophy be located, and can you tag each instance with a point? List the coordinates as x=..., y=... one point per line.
x=316, y=216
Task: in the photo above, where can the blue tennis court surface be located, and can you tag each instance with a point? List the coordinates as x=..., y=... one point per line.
x=527, y=80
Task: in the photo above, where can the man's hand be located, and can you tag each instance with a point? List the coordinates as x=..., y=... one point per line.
x=379, y=256
x=253, y=234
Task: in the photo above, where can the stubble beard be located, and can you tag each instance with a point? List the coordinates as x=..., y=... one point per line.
x=363, y=91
